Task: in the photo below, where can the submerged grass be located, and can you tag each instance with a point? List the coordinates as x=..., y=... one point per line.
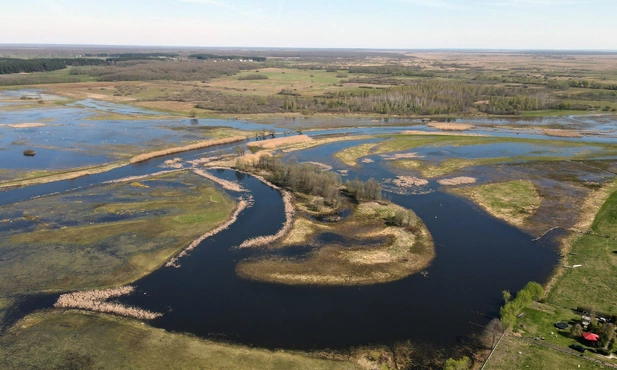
x=78, y=340
x=71, y=244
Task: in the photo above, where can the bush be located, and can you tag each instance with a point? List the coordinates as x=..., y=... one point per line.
x=463, y=364
x=253, y=77
x=532, y=291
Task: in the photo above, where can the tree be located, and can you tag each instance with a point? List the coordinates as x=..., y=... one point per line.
x=506, y=296
x=607, y=334
x=462, y=364
x=491, y=334
x=239, y=151
x=576, y=331
x=535, y=290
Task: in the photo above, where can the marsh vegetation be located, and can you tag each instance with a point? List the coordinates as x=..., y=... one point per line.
x=106, y=236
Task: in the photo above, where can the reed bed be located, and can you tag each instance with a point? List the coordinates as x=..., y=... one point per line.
x=409, y=181
x=290, y=212
x=562, y=133
x=243, y=203
x=137, y=178
x=433, y=133
x=201, y=161
x=406, y=185
x=450, y=126
x=95, y=300
x=173, y=163
x=462, y=180
x=281, y=141
x=225, y=184
x=199, y=145
x=26, y=125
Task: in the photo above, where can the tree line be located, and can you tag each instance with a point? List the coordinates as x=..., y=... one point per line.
x=310, y=179
x=15, y=65
x=226, y=57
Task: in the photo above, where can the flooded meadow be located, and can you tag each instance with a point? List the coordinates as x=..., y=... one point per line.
x=114, y=225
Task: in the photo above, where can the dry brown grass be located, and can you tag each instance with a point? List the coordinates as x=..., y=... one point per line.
x=428, y=133
x=409, y=181
x=25, y=125
x=279, y=142
x=63, y=175
x=562, y=133
x=290, y=212
x=386, y=254
x=317, y=142
x=227, y=185
x=462, y=180
x=94, y=300
x=137, y=178
x=199, y=145
x=450, y=126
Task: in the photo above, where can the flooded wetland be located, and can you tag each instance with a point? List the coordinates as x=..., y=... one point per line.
x=463, y=217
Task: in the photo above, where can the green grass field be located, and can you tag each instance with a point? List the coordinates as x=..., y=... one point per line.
x=64, y=340
x=590, y=285
x=593, y=284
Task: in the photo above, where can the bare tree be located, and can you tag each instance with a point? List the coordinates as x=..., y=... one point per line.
x=491, y=334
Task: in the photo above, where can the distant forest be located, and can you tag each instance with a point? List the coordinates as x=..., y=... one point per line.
x=226, y=57
x=13, y=65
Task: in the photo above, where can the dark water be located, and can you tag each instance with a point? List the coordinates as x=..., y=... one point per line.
x=477, y=258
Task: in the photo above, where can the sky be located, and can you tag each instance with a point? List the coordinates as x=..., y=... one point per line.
x=375, y=24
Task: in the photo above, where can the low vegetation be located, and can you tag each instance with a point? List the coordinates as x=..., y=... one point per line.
x=513, y=307
x=379, y=243
x=199, y=145
x=106, y=236
x=592, y=283
x=513, y=201
x=585, y=283
x=66, y=339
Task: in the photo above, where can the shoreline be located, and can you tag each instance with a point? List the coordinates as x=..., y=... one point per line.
x=290, y=212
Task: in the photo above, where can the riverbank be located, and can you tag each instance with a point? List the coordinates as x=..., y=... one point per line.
x=584, y=278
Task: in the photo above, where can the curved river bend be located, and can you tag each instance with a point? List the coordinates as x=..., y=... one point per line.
x=477, y=258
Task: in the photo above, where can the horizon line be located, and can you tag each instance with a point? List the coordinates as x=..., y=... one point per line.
x=460, y=49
